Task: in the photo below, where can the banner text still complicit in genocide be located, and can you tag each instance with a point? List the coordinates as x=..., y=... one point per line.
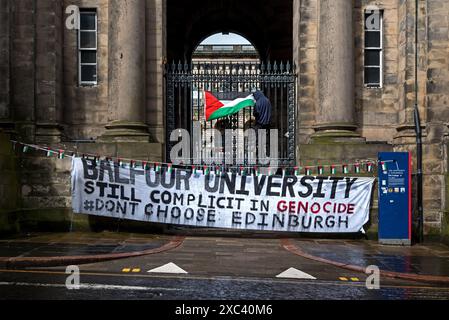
x=228, y=200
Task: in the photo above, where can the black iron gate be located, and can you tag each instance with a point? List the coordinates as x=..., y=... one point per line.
x=185, y=84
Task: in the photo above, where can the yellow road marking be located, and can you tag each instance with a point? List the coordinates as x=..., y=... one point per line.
x=343, y=279
x=136, y=270
x=355, y=279
x=126, y=270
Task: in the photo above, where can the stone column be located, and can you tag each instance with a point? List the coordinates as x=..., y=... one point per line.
x=48, y=73
x=6, y=122
x=335, y=116
x=126, y=72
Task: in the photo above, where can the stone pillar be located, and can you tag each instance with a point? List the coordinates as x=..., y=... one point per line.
x=48, y=73
x=4, y=62
x=335, y=116
x=126, y=72
x=156, y=56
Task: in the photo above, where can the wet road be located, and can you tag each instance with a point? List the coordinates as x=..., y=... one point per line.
x=42, y=285
x=218, y=269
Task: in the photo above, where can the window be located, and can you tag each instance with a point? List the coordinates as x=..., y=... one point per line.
x=87, y=48
x=373, y=49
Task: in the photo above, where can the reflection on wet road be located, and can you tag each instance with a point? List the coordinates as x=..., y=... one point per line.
x=36, y=286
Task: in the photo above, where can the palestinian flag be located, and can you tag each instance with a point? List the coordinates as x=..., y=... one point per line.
x=61, y=154
x=297, y=171
x=216, y=109
x=333, y=169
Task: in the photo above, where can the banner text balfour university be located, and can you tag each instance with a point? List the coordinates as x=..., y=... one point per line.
x=228, y=200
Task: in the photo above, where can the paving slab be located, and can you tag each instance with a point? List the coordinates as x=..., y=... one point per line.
x=77, y=248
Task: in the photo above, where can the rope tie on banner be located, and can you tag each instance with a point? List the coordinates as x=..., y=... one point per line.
x=368, y=165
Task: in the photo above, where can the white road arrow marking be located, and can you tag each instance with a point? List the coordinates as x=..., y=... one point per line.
x=293, y=273
x=169, y=268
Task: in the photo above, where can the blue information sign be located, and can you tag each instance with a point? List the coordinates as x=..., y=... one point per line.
x=395, y=210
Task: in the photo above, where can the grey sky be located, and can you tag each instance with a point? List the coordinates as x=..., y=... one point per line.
x=219, y=38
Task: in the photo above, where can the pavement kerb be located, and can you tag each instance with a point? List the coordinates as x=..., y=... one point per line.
x=20, y=262
x=289, y=246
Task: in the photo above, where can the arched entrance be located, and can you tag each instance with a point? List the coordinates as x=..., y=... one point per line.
x=230, y=71
x=267, y=24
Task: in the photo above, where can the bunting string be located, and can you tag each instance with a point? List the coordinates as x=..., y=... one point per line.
x=358, y=167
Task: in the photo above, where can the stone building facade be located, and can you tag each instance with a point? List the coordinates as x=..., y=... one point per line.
x=339, y=118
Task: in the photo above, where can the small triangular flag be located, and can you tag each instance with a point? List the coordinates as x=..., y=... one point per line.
x=257, y=171
x=333, y=169
x=297, y=171
x=61, y=154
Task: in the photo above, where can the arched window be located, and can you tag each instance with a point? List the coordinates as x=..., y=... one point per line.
x=226, y=47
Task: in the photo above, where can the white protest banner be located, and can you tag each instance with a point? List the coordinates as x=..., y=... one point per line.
x=228, y=200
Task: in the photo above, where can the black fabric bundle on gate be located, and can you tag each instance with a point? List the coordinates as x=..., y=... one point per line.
x=263, y=108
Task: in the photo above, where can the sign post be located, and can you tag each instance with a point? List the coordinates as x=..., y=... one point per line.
x=395, y=198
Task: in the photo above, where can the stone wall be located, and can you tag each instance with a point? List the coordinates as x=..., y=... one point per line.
x=39, y=91
x=433, y=102
x=4, y=59
x=156, y=58
x=307, y=68
x=9, y=187
x=445, y=222
x=86, y=108
x=377, y=108
x=23, y=66
x=48, y=101
x=45, y=190
x=435, y=58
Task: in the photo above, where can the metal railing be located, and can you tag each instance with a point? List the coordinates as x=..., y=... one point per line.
x=185, y=83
